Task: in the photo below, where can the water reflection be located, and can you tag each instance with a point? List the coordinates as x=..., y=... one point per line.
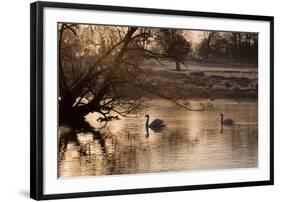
x=191, y=141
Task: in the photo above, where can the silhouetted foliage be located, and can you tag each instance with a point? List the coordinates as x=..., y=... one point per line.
x=174, y=45
x=101, y=71
x=229, y=46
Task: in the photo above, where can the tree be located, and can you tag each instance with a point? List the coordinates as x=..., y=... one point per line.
x=230, y=46
x=174, y=45
x=101, y=71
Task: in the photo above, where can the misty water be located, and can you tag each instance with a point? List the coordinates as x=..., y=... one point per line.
x=191, y=141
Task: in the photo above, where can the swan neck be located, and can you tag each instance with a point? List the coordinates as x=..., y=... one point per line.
x=221, y=120
x=147, y=121
x=147, y=132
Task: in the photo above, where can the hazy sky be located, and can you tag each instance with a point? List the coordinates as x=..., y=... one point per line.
x=195, y=36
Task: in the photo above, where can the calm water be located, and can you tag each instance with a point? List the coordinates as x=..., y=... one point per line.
x=191, y=141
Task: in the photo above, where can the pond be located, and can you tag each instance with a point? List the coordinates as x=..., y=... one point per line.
x=190, y=141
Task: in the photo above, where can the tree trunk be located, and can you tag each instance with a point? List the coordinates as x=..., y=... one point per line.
x=71, y=115
x=178, y=66
x=239, y=46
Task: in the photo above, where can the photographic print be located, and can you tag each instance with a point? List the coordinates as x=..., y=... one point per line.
x=128, y=100
x=142, y=99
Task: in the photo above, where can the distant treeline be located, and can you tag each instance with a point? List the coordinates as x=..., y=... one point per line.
x=236, y=47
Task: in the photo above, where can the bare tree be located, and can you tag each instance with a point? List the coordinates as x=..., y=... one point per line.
x=101, y=69
x=174, y=45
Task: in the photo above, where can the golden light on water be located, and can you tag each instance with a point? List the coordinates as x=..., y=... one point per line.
x=191, y=141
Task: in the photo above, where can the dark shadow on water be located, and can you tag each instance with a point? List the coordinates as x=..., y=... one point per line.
x=72, y=136
x=158, y=130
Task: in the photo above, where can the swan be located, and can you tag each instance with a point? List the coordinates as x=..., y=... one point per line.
x=227, y=122
x=155, y=125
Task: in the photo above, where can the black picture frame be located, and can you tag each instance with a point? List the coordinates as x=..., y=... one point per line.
x=36, y=99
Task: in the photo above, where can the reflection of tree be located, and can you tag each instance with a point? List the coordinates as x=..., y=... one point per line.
x=100, y=68
x=71, y=136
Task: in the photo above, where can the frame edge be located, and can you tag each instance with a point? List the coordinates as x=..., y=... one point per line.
x=36, y=101
x=271, y=21
x=85, y=6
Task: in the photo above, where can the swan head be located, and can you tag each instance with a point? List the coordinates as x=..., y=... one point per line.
x=146, y=116
x=221, y=115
